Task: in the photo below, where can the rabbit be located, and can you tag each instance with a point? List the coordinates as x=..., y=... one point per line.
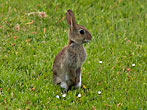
x=68, y=62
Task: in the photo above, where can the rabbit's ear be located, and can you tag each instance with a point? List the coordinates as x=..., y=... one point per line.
x=70, y=18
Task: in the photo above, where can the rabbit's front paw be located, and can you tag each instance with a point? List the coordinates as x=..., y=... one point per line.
x=78, y=85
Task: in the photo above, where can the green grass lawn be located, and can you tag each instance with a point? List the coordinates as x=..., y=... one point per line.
x=29, y=44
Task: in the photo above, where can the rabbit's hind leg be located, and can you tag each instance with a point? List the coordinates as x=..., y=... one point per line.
x=56, y=78
x=65, y=86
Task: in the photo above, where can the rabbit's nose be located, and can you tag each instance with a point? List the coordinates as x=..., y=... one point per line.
x=89, y=37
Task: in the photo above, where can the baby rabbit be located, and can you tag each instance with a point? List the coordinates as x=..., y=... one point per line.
x=68, y=62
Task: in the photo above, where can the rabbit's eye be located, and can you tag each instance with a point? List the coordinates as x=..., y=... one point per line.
x=81, y=31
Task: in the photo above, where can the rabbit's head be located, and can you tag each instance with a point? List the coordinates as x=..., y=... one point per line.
x=77, y=33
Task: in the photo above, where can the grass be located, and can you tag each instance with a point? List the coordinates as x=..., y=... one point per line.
x=29, y=44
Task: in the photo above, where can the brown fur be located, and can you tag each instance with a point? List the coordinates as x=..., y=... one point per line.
x=68, y=62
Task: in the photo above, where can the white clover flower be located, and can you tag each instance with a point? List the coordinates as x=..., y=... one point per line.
x=64, y=95
x=79, y=95
x=100, y=61
x=57, y=96
x=99, y=92
x=133, y=64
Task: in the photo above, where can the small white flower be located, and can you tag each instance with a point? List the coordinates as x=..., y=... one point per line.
x=79, y=95
x=64, y=95
x=57, y=96
x=100, y=61
x=99, y=92
x=133, y=64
